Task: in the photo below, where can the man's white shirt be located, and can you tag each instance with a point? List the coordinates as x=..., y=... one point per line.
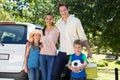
x=70, y=31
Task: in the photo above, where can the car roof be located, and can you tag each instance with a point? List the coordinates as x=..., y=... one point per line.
x=22, y=23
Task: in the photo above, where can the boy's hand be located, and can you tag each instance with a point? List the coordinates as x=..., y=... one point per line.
x=79, y=69
x=74, y=70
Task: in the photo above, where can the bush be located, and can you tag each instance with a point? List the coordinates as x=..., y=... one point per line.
x=117, y=62
x=102, y=64
x=105, y=62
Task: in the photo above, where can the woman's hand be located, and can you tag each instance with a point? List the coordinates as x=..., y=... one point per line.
x=41, y=45
x=26, y=70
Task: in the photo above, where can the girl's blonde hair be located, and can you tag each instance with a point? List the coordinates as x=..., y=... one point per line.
x=35, y=32
x=31, y=39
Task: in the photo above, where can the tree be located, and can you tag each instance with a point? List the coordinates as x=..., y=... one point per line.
x=110, y=19
x=100, y=19
x=33, y=11
x=84, y=10
x=4, y=16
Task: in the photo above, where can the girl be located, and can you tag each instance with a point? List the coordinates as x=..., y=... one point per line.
x=48, y=51
x=32, y=55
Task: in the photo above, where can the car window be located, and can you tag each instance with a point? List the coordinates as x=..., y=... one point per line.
x=13, y=34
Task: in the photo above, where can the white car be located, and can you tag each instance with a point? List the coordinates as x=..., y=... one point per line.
x=13, y=37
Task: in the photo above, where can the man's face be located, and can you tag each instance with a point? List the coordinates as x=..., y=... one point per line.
x=64, y=12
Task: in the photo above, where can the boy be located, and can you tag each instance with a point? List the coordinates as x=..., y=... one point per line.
x=77, y=62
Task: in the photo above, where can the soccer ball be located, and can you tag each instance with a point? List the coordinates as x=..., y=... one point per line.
x=76, y=64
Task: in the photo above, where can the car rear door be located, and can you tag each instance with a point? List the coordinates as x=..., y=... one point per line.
x=12, y=47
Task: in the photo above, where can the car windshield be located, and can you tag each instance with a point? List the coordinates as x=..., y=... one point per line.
x=13, y=34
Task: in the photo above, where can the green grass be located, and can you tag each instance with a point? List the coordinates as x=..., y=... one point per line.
x=107, y=72
x=105, y=76
x=111, y=63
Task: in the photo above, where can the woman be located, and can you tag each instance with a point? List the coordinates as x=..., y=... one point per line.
x=48, y=49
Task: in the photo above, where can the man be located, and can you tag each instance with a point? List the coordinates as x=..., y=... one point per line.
x=70, y=29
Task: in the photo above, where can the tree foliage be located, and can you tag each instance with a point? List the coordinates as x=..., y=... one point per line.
x=33, y=11
x=4, y=15
x=110, y=17
x=100, y=18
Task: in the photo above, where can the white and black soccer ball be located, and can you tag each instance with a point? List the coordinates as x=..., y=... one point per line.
x=76, y=64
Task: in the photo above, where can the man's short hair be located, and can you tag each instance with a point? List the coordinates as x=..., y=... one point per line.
x=77, y=42
x=62, y=4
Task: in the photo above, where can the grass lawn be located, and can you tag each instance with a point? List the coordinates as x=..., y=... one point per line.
x=105, y=75
x=107, y=72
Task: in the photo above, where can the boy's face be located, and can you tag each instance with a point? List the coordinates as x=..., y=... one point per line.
x=77, y=48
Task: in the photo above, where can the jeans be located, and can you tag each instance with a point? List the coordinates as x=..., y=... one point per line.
x=60, y=62
x=47, y=64
x=83, y=78
x=33, y=73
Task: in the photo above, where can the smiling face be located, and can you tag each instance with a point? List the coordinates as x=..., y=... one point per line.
x=77, y=48
x=36, y=37
x=64, y=12
x=49, y=20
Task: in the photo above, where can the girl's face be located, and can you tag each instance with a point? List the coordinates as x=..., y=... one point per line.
x=49, y=19
x=36, y=37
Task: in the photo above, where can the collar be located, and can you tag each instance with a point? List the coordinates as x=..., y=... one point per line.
x=61, y=19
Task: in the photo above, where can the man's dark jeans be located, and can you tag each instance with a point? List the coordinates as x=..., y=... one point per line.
x=60, y=62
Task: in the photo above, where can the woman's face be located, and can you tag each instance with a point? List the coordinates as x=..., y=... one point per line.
x=49, y=19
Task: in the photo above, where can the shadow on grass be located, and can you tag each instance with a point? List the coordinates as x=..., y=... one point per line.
x=117, y=62
x=109, y=60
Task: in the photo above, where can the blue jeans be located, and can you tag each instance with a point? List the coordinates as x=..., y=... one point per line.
x=33, y=73
x=83, y=78
x=46, y=65
x=60, y=62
